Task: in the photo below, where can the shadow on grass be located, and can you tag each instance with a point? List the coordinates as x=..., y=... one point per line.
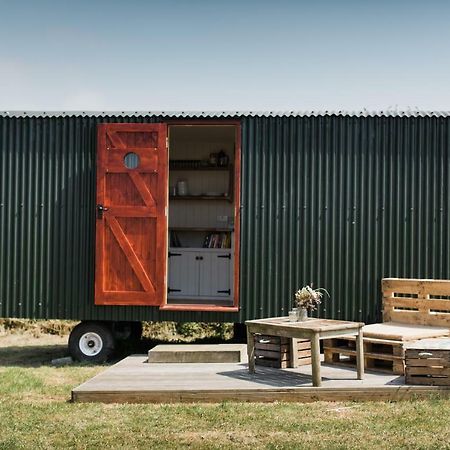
x=31, y=355
x=42, y=355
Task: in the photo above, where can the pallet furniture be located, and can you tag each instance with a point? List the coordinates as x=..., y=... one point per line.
x=281, y=352
x=413, y=309
x=427, y=362
x=310, y=329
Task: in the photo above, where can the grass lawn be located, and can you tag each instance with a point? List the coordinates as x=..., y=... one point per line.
x=35, y=412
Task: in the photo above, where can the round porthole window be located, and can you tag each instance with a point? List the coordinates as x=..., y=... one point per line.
x=131, y=160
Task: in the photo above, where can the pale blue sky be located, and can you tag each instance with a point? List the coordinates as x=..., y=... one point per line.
x=224, y=55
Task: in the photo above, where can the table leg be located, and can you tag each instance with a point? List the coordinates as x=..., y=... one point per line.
x=251, y=351
x=360, y=355
x=294, y=353
x=315, y=360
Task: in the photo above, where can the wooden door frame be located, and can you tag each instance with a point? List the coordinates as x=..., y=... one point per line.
x=237, y=213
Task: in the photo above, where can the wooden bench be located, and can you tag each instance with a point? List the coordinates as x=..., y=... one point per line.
x=413, y=309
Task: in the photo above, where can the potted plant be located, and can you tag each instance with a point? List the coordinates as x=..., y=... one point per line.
x=307, y=299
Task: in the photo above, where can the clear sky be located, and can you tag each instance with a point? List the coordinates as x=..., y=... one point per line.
x=224, y=55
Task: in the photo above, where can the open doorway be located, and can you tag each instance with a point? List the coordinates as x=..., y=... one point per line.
x=203, y=217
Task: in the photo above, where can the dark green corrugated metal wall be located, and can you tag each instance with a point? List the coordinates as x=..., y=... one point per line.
x=342, y=202
x=337, y=201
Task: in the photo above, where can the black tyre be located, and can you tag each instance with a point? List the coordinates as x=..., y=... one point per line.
x=136, y=331
x=240, y=332
x=127, y=331
x=91, y=342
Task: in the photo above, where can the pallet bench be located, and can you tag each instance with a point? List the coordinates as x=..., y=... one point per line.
x=413, y=309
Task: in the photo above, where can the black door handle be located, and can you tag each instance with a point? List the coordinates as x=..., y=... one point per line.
x=100, y=209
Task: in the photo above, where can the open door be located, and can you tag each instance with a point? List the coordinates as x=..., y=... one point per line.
x=204, y=215
x=131, y=225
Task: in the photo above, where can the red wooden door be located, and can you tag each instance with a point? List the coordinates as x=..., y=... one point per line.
x=131, y=231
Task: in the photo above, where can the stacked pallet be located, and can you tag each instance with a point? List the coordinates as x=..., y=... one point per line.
x=281, y=352
x=379, y=354
x=428, y=362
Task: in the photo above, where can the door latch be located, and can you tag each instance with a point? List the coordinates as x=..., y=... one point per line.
x=100, y=209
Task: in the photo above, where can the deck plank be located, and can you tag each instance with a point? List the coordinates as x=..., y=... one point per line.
x=133, y=380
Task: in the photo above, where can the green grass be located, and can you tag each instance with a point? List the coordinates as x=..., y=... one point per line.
x=35, y=412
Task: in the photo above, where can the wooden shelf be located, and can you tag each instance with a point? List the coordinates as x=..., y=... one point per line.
x=217, y=230
x=200, y=168
x=200, y=249
x=200, y=197
x=229, y=197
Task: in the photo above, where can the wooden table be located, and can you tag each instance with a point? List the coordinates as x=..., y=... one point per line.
x=312, y=329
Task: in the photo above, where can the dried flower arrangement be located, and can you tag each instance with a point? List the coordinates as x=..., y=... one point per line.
x=309, y=298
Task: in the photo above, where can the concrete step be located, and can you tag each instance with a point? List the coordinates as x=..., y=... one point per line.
x=198, y=353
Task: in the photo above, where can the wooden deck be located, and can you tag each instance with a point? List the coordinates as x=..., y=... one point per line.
x=133, y=380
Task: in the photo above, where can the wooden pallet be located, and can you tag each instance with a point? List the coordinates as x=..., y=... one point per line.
x=416, y=301
x=275, y=351
x=428, y=363
x=379, y=354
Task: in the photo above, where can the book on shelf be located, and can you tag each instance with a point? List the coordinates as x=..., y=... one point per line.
x=217, y=240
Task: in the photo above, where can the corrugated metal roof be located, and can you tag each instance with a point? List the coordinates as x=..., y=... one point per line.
x=228, y=114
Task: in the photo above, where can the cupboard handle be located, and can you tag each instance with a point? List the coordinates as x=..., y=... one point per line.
x=228, y=255
x=173, y=290
x=174, y=254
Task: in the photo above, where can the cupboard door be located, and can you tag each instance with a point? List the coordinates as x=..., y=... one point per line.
x=215, y=275
x=183, y=273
